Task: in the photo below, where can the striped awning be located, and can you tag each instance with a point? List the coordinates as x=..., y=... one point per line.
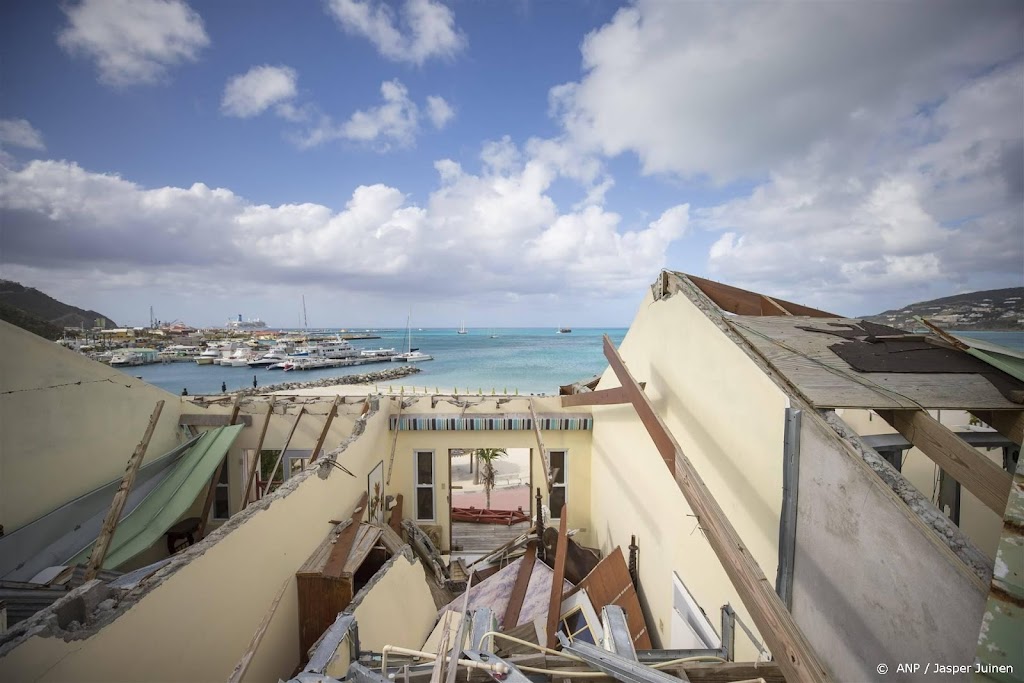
x=490, y=423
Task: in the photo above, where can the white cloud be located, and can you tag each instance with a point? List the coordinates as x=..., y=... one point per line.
x=498, y=227
x=941, y=213
x=731, y=90
x=429, y=28
x=439, y=111
x=20, y=133
x=393, y=123
x=133, y=41
x=259, y=88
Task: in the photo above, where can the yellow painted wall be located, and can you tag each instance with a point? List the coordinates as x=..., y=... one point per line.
x=398, y=609
x=576, y=442
x=728, y=418
x=68, y=425
x=196, y=624
x=977, y=521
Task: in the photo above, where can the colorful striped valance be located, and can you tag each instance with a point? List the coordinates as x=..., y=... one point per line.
x=483, y=423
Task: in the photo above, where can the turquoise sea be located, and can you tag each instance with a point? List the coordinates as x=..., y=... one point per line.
x=532, y=360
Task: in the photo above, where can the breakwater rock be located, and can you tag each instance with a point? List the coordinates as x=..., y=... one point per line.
x=364, y=378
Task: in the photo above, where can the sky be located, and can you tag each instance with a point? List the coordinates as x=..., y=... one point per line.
x=505, y=163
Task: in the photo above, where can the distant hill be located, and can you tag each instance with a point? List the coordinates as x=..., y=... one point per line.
x=993, y=309
x=45, y=308
x=16, y=316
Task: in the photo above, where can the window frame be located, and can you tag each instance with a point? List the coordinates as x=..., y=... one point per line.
x=417, y=485
x=564, y=472
x=223, y=485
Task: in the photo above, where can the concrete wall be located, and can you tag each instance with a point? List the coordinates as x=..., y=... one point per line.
x=977, y=521
x=577, y=443
x=396, y=610
x=68, y=425
x=728, y=417
x=199, y=614
x=871, y=584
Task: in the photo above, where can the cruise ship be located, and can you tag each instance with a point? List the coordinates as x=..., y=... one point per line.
x=239, y=324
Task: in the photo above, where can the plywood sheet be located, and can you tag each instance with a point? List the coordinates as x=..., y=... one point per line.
x=610, y=584
x=826, y=381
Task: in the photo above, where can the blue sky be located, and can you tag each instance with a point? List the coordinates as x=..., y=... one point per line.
x=505, y=163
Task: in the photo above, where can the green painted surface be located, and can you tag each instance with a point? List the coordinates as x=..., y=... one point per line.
x=1000, y=653
x=165, y=505
x=1009, y=364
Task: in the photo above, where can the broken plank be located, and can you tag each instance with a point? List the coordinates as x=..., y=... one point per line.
x=515, y=600
x=247, y=491
x=102, y=545
x=785, y=639
x=199, y=420
x=601, y=397
x=549, y=476
x=555, y=604
x=335, y=566
x=726, y=672
x=331, y=414
x=979, y=475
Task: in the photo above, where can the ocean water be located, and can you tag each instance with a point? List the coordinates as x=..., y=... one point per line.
x=532, y=360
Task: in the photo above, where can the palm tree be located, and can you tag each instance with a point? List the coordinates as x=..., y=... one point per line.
x=486, y=458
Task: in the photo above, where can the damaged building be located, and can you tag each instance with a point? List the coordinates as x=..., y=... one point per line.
x=752, y=490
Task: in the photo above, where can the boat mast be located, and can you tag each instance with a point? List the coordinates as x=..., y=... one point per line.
x=305, y=321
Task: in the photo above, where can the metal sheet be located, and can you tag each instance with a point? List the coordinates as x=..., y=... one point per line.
x=171, y=498
x=47, y=541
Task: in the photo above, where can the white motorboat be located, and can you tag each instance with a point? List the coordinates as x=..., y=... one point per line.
x=377, y=353
x=277, y=354
x=208, y=355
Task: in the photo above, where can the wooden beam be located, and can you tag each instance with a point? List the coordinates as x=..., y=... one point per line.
x=726, y=672
x=784, y=638
x=601, y=397
x=1009, y=423
x=102, y=545
x=254, y=467
x=236, y=405
x=243, y=664
x=772, y=303
x=745, y=302
x=201, y=420
x=335, y=565
x=394, y=442
x=555, y=603
x=518, y=594
x=549, y=476
x=331, y=414
x=287, y=441
x=979, y=475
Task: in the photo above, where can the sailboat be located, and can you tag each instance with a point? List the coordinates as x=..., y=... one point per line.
x=411, y=355
x=462, y=330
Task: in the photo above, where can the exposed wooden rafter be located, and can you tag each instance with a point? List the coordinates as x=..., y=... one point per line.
x=331, y=414
x=549, y=476
x=254, y=466
x=102, y=545
x=287, y=441
x=785, y=639
x=601, y=397
x=979, y=475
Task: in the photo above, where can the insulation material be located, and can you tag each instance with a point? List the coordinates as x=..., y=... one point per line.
x=494, y=593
